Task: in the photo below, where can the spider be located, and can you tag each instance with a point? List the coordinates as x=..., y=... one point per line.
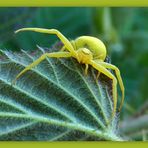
x=86, y=50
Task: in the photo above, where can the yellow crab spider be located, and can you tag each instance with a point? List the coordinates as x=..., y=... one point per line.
x=87, y=50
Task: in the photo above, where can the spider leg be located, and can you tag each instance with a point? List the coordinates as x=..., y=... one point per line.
x=107, y=65
x=63, y=48
x=65, y=41
x=86, y=69
x=40, y=59
x=103, y=70
x=97, y=75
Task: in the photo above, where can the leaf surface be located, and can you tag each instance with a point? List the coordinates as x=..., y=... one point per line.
x=53, y=101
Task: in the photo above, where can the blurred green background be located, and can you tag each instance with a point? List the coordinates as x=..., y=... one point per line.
x=123, y=30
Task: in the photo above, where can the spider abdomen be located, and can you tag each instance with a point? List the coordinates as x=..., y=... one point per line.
x=95, y=45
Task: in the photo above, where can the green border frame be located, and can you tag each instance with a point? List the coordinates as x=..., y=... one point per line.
x=73, y=144
x=136, y=3
x=78, y=3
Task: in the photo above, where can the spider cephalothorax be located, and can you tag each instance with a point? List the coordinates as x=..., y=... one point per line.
x=84, y=55
x=87, y=50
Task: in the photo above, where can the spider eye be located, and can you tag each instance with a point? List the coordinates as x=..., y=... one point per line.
x=86, y=51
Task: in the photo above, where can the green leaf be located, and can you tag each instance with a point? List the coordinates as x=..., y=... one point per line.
x=54, y=100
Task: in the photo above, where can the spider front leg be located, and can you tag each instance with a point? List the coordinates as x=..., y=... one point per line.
x=40, y=59
x=103, y=70
x=64, y=40
x=107, y=65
